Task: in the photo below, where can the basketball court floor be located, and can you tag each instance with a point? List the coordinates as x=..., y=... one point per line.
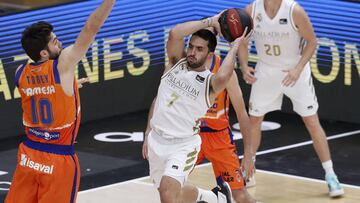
x=112, y=168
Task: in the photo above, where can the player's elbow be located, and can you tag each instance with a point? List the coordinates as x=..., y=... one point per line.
x=175, y=33
x=313, y=42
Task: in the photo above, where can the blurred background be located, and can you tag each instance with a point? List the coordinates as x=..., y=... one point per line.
x=127, y=58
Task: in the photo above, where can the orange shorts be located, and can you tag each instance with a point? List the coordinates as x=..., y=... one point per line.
x=50, y=175
x=219, y=149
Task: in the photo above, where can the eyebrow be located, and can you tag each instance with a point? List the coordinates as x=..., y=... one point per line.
x=190, y=44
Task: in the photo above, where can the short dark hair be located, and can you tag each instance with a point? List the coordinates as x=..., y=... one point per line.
x=208, y=36
x=36, y=38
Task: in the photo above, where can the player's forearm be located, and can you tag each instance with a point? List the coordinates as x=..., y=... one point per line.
x=307, y=53
x=185, y=29
x=222, y=77
x=98, y=17
x=243, y=55
x=151, y=111
x=245, y=129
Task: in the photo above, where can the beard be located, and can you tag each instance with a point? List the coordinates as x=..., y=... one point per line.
x=196, y=63
x=54, y=55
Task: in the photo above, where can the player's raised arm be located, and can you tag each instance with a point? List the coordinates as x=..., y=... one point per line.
x=175, y=45
x=71, y=55
x=221, y=78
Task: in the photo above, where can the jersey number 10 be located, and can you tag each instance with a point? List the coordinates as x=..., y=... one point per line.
x=44, y=107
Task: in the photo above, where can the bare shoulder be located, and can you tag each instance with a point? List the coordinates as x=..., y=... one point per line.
x=298, y=12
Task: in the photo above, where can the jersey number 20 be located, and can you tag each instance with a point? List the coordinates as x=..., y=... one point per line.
x=273, y=50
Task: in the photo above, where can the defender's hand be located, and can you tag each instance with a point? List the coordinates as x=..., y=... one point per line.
x=82, y=81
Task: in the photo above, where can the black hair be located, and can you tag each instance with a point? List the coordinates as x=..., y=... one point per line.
x=35, y=38
x=207, y=35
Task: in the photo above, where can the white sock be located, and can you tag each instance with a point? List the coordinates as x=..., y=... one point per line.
x=328, y=167
x=206, y=195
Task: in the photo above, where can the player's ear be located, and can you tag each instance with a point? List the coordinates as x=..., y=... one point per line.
x=44, y=53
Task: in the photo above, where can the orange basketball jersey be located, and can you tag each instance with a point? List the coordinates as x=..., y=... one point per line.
x=217, y=117
x=49, y=115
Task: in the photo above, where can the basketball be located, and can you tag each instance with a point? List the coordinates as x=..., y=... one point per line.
x=233, y=22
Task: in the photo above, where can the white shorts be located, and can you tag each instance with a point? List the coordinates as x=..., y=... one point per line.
x=172, y=157
x=267, y=92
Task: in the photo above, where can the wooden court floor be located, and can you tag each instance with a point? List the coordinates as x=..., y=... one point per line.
x=271, y=188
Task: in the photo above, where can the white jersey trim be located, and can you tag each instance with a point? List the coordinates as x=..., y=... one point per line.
x=253, y=10
x=207, y=90
x=174, y=66
x=293, y=25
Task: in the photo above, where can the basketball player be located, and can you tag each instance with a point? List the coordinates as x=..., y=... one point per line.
x=186, y=91
x=48, y=169
x=285, y=42
x=217, y=143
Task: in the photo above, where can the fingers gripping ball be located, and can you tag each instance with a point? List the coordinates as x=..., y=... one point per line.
x=233, y=22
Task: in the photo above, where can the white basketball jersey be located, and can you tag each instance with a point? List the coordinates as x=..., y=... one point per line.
x=182, y=99
x=278, y=42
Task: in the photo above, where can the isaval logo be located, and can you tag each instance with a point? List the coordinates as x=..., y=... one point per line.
x=27, y=162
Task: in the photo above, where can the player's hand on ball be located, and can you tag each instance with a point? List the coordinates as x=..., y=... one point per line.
x=215, y=23
x=243, y=40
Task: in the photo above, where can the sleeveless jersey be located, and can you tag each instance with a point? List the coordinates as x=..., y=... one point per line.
x=49, y=115
x=217, y=117
x=182, y=99
x=278, y=42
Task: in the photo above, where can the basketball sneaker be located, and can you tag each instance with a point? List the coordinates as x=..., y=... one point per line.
x=334, y=186
x=223, y=192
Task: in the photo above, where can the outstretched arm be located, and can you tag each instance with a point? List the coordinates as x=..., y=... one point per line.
x=237, y=102
x=221, y=78
x=71, y=55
